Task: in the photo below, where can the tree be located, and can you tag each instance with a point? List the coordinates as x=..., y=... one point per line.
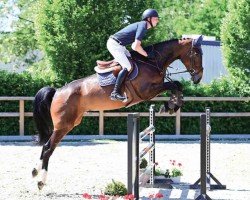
x=16, y=42
x=191, y=17
x=235, y=34
x=74, y=33
x=207, y=17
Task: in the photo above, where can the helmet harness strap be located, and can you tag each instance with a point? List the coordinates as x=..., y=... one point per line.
x=150, y=22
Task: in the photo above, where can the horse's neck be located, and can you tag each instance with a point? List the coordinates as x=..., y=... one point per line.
x=168, y=53
x=173, y=52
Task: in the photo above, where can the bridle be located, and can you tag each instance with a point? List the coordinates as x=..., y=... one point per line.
x=192, y=54
x=155, y=61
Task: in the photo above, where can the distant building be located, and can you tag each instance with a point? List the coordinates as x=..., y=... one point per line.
x=212, y=61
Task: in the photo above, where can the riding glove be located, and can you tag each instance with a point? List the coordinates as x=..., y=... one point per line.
x=151, y=55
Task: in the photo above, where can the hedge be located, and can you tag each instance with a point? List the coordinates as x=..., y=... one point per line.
x=26, y=85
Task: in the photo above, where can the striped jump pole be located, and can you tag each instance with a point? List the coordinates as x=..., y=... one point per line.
x=134, y=156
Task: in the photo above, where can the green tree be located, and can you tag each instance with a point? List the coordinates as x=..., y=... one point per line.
x=235, y=34
x=16, y=43
x=191, y=17
x=74, y=33
x=207, y=17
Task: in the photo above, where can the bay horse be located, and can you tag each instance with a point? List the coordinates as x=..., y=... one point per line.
x=58, y=111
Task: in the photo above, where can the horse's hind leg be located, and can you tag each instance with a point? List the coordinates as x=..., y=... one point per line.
x=65, y=114
x=36, y=171
x=47, y=151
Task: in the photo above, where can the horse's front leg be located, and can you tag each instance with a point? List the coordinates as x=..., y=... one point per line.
x=176, y=98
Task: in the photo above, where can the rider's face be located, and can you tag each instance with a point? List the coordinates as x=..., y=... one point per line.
x=154, y=21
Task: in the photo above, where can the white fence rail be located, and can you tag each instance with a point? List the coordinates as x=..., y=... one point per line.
x=22, y=114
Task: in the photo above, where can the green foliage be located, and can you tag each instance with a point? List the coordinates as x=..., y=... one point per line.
x=175, y=172
x=235, y=35
x=74, y=33
x=15, y=45
x=24, y=84
x=115, y=188
x=157, y=172
x=42, y=70
x=191, y=17
x=13, y=84
x=227, y=87
x=144, y=163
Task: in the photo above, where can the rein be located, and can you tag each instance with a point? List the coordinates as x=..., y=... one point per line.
x=191, y=71
x=155, y=61
x=191, y=53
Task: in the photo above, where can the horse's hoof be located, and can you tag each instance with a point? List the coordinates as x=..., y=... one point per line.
x=34, y=172
x=171, y=111
x=40, y=185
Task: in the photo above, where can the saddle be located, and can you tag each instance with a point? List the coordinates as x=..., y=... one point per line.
x=107, y=71
x=111, y=66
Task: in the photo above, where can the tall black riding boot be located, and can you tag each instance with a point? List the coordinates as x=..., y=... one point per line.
x=116, y=94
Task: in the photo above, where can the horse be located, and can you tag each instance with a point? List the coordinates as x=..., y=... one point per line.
x=58, y=111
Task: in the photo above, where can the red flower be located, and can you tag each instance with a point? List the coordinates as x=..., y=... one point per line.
x=159, y=195
x=151, y=196
x=103, y=197
x=179, y=164
x=86, y=196
x=129, y=197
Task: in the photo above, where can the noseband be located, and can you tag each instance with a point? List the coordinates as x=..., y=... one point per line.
x=192, y=55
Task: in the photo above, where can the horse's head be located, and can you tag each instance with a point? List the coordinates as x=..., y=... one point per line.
x=192, y=59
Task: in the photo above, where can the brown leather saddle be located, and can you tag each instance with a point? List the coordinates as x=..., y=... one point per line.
x=111, y=66
x=105, y=68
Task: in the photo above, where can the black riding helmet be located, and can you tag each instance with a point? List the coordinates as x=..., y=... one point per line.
x=149, y=13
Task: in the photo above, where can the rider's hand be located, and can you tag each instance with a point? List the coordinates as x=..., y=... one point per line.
x=151, y=55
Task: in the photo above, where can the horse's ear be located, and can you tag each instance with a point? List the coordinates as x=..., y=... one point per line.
x=197, y=41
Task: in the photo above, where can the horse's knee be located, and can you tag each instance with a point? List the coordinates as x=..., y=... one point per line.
x=178, y=85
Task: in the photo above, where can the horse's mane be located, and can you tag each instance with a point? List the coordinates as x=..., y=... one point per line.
x=167, y=42
x=159, y=45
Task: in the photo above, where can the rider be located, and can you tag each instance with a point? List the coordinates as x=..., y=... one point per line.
x=131, y=34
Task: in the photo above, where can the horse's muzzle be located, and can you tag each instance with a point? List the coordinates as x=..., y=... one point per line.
x=196, y=78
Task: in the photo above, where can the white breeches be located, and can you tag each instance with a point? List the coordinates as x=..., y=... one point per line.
x=120, y=53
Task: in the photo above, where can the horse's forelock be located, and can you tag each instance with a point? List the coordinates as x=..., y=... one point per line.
x=184, y=41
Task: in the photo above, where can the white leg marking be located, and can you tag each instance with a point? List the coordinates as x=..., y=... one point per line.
x=39, y=166
x=44, y=175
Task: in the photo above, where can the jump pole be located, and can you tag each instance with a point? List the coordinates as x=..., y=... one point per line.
x=206, y=175
x=134, y=156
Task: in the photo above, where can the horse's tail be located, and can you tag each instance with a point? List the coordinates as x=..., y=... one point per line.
x=41, y=113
